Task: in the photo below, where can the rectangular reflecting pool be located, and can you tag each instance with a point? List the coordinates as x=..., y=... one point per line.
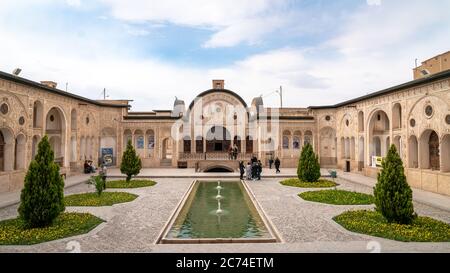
x=218, y=212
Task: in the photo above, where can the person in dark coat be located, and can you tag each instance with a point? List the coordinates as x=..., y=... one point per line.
x=277, y=165
x=242, y=169
x=270, y=162
x=254, y=170
x=259, y=168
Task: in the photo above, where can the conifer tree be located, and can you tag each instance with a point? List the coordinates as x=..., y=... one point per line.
x=393, y=195
x=131, y=163
x=308, y=169
x=42, y=198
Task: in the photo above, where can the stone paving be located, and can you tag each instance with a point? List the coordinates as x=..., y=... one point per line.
x=304, y=226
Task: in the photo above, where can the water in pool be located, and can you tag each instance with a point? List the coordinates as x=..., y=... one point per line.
x=218, y=210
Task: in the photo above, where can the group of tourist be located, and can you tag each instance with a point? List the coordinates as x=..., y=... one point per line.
x=233, y=152
x=254, y=168
x=89, y=166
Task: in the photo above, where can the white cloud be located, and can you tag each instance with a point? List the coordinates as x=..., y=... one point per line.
x=234, y=22
x=73, y=3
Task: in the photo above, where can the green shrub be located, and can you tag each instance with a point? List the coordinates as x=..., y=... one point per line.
x=308, y=169
x=131, y=163
x=42, y=198
x=98, y=182
x=393, y=196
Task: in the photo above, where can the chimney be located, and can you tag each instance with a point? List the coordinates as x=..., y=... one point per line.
x=218, y=84
x=50, y=84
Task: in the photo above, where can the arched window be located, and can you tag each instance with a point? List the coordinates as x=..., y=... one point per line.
x=361, y=121
x=127, y=136
x=379, y=130
x=73, y=119
x=139, y=136
x=397, y=116
x=308, y=137
x=37, y=114
x=286, y=137
x=296, y=142
x=150, y=142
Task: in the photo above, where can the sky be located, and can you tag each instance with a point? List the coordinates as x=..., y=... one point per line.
x=321, y=52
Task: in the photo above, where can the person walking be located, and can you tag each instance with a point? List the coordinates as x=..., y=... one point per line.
x=277, y=165
x=242, y=169
x=248, y=171
x=270, y=162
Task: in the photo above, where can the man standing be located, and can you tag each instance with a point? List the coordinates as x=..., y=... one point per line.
x=277, y=165
x=270, y=162
x=242, y=169
x=259, y=168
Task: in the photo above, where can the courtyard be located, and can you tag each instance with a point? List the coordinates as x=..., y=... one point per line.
x=302, y=225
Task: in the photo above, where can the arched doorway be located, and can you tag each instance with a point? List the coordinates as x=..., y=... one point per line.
x=413, y=155
x=429, y=150
x=433, y=144
x=167, y=149
x=361, y=154
x=327, y=146
x=296, y=140
x=20, y=152
x=379, y=131
x=218, y=139
x=55, y=128
x=108, y=146
x=445, y=154
x=7, y=142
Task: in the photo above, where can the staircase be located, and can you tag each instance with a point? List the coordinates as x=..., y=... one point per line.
x=166, y=163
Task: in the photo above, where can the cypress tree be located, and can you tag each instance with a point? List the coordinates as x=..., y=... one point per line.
x=393, y=195
x=42, y=198
x=308, y=169
x=131, y=163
